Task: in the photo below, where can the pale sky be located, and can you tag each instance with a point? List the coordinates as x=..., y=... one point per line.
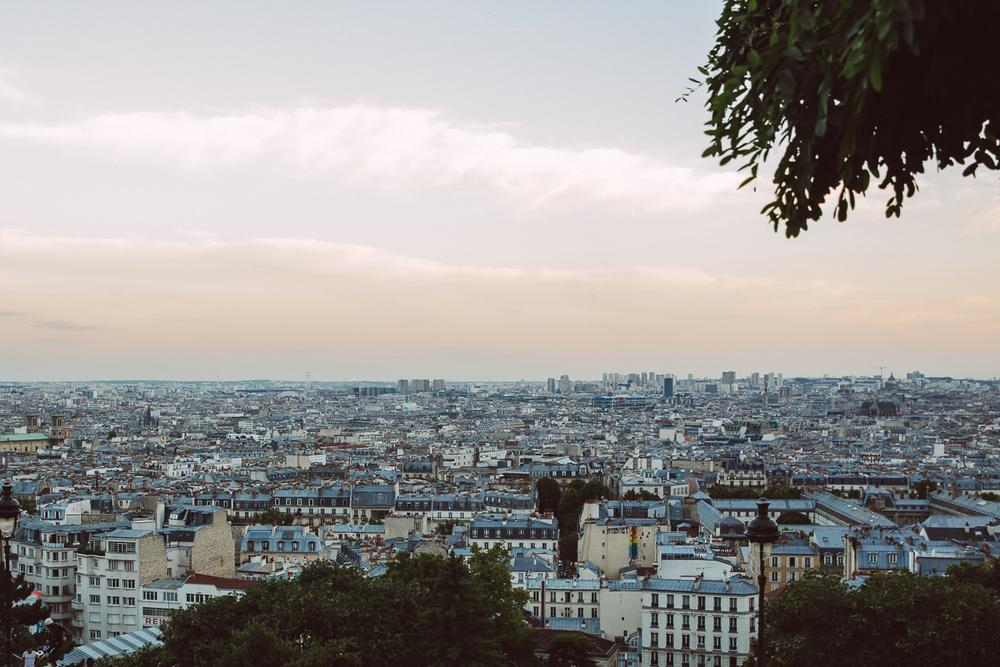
x=464, y=190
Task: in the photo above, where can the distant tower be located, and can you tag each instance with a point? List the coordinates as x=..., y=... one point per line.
x=308, y=380
x=31, y=422
x=668, y=387
x=765, y=390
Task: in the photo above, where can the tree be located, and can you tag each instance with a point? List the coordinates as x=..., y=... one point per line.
x=26, y=613
x=272, y=516
x=793, y=518
x=569, y=649
x=547, y=494
x=445, y=527
x=899, y=619
x=990, y=496
x=851, y=91
x=426, y=610
x=925, y=487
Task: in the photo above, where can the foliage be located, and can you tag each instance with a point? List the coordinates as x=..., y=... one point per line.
x=925, y=487
x=569, y=649
x=566, y=505
x=445, y=527
x=792, y=518
x=642, y=495
x=891, y=619
x=547, y=493
x=990, y=496
x=851, y=91
x=426, y=610
x=24, y=616
x=272, y=516
x=752, y=493
x=985, y=574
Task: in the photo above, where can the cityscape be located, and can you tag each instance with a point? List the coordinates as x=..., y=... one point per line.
x=499, y=334
x=143, y=498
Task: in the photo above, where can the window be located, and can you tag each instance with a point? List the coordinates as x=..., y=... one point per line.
x=732, y=625
x=775, y=576
x=716, y=624
x=95, y=581
x=95, y=634
x=716, y=643
x=593, y=598
x=114, y=600
x=654, y=638
x=686, y=602
x=701, y=624
x=893, y=558
x=670, y=602
x=685, y=641
x=732, y=604
x=827, y=559
x=95, y=617
x=791, y=561
x=732, y=643
x=654, y=620
x=670, y=640
x=655, y=600
x=670, y=620
x=807, y=562
x=579, y=612
x=701, y=642
x=128, y=602
x=873, y=559
x=113, y=583
x=701, y=603
x=170, y=597
x=149, y=595
x=685, y=622
x=716, y=604
x=840, y=560
x=593, y=612
x=775, y=561
x=114, y=618
x=95, y=599
x=128, y=583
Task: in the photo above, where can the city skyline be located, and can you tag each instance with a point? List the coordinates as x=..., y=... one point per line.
x=241, y=190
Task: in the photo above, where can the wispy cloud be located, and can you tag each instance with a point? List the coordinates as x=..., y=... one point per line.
x=12, y=93
x=392, y=148
x=61, y=325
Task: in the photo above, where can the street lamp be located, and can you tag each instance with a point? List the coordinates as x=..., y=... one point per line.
x=761, y=531
x=10, y=510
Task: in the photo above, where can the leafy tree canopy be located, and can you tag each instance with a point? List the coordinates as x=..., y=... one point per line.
x=851, y=91
x=426, y=610
x=752, y=493
x=899, y=619
x=793, y=518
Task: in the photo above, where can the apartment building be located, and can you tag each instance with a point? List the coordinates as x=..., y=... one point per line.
x=697, y=622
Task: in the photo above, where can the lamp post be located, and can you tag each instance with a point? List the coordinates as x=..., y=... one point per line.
x=10, y=510
x=761, y=531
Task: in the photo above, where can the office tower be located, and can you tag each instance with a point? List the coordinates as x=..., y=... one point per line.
x=404, y=386
x=564, y=385
x=668, y=387
x=421, y=385
x=551, y=387
x=755, y=379
x=729, y=377
x=438, y=385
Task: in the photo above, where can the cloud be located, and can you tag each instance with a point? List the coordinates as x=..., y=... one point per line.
x=11, y=93
x=60, y=325
x=7, y=313
x=392, y=148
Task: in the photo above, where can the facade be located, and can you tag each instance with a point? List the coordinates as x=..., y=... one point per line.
x=514, y=533
x=697, y=622
x=110, y=571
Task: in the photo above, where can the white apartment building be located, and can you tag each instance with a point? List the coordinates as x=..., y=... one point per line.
x=163, y=596
x=111, y=568
x=697, y=622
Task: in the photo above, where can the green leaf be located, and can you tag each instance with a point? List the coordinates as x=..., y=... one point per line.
x=875, y=73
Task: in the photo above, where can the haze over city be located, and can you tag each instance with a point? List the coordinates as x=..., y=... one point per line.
x=385, y=190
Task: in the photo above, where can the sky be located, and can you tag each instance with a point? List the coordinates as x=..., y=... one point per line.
x=458, y=190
